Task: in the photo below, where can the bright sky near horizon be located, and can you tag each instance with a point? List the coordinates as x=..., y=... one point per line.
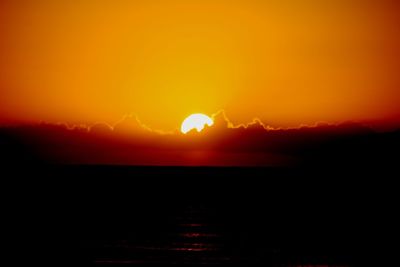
x=285, y=62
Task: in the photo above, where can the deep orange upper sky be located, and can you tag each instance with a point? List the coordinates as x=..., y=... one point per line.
x=286, y=62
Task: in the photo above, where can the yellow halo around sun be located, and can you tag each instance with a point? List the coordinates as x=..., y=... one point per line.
x=196, y=121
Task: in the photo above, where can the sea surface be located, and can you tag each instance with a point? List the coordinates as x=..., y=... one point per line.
x=183, y=216
x=199, y=235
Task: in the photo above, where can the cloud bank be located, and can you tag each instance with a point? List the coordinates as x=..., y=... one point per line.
x=130, y=142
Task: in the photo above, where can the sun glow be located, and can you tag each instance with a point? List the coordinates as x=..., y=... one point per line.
x=196, y=121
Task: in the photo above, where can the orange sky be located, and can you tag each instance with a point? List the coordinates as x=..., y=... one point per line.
x=286, y=62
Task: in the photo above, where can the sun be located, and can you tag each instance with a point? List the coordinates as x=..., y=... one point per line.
x=196, y=121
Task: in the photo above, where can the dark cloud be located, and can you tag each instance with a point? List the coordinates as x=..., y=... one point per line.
x=131, y=142
x=101, y=128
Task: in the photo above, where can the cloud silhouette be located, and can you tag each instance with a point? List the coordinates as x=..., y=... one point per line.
x=131, y=142
x=101, y=129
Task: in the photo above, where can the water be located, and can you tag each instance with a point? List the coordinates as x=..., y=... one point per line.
x=119, y=216
x=194, y=237
x=190, y=236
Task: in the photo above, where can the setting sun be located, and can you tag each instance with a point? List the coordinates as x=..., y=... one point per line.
x=196, y=121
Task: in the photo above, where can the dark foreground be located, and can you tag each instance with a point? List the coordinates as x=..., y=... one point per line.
x=156, y=216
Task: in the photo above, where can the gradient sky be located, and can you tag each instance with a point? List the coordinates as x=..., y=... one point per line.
x=286, y=62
